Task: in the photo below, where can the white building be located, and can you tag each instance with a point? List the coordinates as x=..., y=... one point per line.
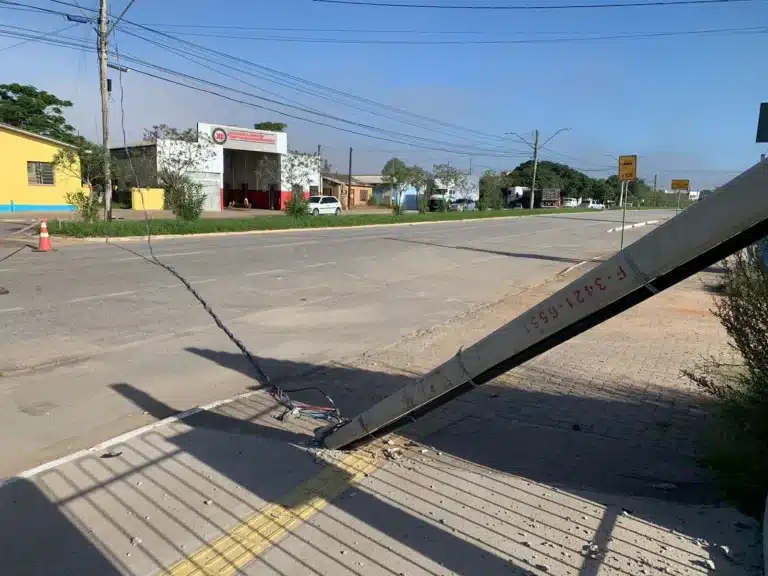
x=239, y=163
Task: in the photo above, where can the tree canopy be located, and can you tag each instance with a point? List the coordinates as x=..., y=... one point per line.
x=271, y=126
x=38, y=111
x=571, y=182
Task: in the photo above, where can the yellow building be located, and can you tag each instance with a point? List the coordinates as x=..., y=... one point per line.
x=28, y=179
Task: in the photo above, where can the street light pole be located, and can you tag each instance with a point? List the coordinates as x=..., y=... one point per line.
x=535, y=166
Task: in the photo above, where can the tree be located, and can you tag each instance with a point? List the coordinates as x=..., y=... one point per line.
x=297, y=169
x=419, y=179
x=86, y=161
x=398, y=175
x=180, y=152
x=453, y=180
x=491, y=195
x=271, y=126
x=38, y=111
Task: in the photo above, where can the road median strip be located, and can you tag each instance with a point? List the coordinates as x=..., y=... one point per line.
x=136, y=229
x=635, y=225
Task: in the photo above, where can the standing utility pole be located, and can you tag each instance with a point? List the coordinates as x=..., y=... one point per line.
x=103, y=81
x=318, y=150
x=535, y=165
x=349, y=181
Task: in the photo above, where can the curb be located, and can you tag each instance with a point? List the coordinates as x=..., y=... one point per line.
x=628, y=226
x=288, y=230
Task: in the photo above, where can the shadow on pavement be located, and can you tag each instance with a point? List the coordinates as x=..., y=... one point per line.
x=468, y=510
x=487, y=251
x=25, y=550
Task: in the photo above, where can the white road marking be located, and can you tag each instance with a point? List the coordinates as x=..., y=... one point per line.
x=318, y=264
x=100, y=296
x=264, y=272
x=7, y=269
x=17, y=309
x=123, y=438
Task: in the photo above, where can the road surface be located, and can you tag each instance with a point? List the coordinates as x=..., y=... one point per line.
x=86, y=318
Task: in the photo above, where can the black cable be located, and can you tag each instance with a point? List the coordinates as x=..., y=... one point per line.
x=518, y=7
x=277, y=392
x=302, y=108
x=496, y=41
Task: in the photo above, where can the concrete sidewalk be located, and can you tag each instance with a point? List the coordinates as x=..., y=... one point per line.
x=579, y=463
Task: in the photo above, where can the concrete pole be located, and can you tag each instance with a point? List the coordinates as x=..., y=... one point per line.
x=349, y=181
x=535, y=165
x=102, y=51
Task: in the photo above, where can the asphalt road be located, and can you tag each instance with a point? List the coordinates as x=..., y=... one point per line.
x=85, y=318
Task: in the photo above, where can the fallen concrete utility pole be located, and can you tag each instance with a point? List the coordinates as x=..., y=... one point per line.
x=727, y=221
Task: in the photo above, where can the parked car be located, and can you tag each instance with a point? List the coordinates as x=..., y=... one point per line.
x=570, y=203
x=463, y=205
x=324, y=205
x=592, y=204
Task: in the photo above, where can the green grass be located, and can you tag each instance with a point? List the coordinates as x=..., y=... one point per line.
x=121, y=228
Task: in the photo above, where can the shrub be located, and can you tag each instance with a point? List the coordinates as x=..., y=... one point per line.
x=372, y=201
x=85, y=203
x=184, y=196
x=297, y=206
x=738, y=452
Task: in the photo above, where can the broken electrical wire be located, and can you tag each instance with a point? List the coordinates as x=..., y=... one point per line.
x=330, y=414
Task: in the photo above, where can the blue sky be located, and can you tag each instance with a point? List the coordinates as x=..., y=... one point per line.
x=686, y=105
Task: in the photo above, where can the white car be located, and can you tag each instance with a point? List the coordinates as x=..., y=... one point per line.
x=570, y=203
x=324, y=205
x=592, y=204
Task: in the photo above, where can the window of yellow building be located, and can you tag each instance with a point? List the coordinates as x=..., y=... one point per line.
x=41, y=174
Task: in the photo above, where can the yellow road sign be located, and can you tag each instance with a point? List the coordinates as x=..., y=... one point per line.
x=627, y=168
x=681, y=184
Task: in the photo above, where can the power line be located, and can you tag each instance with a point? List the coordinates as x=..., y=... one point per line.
x=441, y=147
x=494, y=41
x=41, y=36
x=189, y=57
x=529, y=7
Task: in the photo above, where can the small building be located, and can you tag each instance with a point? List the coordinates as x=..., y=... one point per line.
x=243, y=163
x=337, y=185
x=383, y=192
x=29, y=182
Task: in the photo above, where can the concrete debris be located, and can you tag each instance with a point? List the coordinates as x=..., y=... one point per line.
x=111, y=454
x=207, y=502
x=392, y=453
x=136, y=540
x=704, y=563
x=591, y=550
x=391, y=442
x=542, y=567
x=725, y=551
x=4, y=291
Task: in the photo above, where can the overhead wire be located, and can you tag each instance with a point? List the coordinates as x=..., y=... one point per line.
x=43, y=35
x=530, y=7
x=301, y=107
x=494, y=41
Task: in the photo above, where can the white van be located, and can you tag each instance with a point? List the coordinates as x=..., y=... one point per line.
x=570, y=203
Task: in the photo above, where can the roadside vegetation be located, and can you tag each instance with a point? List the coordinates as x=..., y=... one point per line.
x=159, y=227
x=737, y=451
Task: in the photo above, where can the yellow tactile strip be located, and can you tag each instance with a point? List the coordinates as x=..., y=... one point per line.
x=229, y=553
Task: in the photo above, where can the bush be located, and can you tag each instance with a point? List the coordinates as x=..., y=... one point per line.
x=372, y=201
x=85, y=203
x=184, y=196
x=738, y=452
x=297, y=206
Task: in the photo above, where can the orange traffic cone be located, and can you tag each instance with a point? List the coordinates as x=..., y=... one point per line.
x=45, y=240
